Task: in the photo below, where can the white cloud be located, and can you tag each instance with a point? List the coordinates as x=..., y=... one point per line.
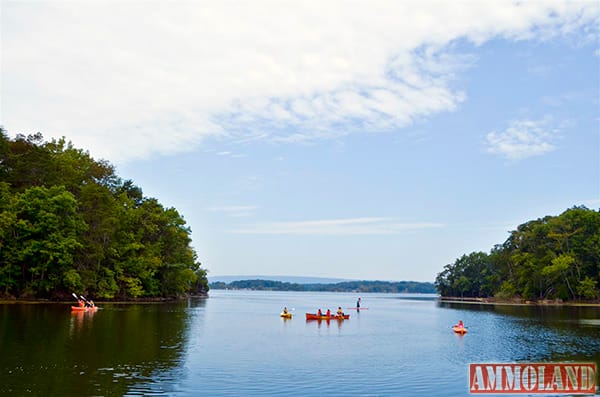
x=350, y=226
x=522, y=139
x=130, y=79
x=235, y=211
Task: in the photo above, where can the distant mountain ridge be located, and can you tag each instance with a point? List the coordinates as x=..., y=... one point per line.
x=283, y=279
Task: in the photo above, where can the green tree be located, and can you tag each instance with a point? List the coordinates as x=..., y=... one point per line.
x=550, y=257
x=470, y=275
x=587, y=288
x=69, y=223
x=46, y=229
x=9, y=269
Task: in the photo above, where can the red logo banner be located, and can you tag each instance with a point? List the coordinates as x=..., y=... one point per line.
x=534, y=378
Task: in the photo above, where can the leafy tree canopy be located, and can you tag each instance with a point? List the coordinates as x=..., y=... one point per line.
x=68, y=224
x=556, y=257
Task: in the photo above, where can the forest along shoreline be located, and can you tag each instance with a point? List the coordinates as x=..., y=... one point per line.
x=5, y=301
x=358, y=286
x=70, y=225
x=554, y=260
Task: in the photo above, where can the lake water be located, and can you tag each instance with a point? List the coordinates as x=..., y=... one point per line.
x=235, y=344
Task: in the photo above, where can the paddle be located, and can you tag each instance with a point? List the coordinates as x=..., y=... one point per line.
x=78, y=297
x=87, y=301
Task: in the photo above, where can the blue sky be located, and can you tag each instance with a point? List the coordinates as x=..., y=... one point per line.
x=351, y=140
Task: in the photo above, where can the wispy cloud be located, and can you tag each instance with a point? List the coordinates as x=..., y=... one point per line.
x=235, y=211
x=592, y=203
x=349, y=226
x=522, y=139
x=230, y=154
x=161, y=77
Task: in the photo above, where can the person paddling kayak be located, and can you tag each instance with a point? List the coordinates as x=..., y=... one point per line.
x=460, y=328
x=285, y=313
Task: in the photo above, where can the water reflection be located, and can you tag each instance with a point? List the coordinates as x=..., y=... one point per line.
x=79, y=319
x=538, y=333
x=118, y=350
x=236, y=344
x=326, y=322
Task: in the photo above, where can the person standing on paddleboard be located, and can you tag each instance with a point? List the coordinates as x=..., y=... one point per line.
x=358, y=304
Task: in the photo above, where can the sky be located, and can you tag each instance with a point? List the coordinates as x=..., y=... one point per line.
x=363, y=140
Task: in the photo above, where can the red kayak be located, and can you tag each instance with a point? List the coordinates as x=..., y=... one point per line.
x=84, y=309
x=313, y=316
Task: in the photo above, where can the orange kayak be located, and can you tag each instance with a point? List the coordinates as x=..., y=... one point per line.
x=460, y=330
x=84, y=309
x=313, y=316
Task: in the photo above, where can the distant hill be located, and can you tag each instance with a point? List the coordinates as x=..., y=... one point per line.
x=283, y=279
x=344, y=286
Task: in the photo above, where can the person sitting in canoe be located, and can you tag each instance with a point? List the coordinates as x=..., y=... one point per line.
x=460, y=324
x=285, y=310
x=319, y=313
x=81, y=303
x=328, y=313
x=340, y=312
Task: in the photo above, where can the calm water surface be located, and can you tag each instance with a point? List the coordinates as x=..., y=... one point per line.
x=235, y=344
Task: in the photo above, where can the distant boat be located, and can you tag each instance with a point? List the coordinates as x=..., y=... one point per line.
x=314, y=316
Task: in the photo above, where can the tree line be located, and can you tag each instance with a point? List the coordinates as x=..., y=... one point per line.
x=68, y=224
x=555, y=257
x=346, y=286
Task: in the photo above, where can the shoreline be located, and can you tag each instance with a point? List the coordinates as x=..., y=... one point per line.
x=6, y=301
x=515, y=302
